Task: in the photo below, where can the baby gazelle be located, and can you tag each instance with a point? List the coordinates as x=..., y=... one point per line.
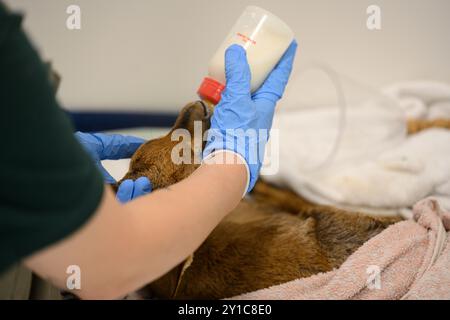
x=272, y=237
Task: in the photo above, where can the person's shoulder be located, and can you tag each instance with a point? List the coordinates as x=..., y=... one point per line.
x=9, y=21
x=6, y=14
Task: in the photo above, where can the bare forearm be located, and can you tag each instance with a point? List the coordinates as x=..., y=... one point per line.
x=182, y=216
x=126, y=246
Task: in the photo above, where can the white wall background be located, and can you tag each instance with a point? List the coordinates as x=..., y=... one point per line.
x=152, y=54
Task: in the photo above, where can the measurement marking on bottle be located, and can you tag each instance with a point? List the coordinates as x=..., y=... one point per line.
x=245, y=38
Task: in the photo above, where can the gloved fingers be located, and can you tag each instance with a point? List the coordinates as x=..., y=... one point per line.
x=237, y=72
x=273, y=87
x=142, y=186
x=117, y=146
x=130, y=189
x=125, y=191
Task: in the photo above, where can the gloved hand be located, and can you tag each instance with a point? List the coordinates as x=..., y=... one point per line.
x=239, y=111
x=129, y=189
x=102, y=146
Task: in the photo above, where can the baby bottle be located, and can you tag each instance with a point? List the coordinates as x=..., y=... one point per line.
x=264, y=36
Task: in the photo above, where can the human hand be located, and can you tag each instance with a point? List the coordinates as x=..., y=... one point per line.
x=129, y=189
x=239, y=113
x=102, y=146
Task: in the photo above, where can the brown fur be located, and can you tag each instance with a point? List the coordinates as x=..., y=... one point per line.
x=270, y=238
x=417, y=125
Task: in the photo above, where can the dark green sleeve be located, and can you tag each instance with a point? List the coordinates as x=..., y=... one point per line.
x=49, y=186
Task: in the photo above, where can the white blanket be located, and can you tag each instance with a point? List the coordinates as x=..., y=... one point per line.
x=385, y=178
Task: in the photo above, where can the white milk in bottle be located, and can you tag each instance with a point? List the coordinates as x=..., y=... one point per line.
x=264, y=37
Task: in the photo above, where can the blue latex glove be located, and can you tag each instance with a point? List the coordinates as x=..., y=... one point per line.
x=130, y=189
x=239, y=109
x=102, y=146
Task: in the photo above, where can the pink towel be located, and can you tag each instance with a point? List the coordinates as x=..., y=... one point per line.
x=408, y=260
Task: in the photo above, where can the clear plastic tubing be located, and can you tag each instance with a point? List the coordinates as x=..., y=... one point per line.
x=264, y=36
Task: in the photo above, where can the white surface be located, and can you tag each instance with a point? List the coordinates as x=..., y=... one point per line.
x=386, y=182
x=153, y=54
x=116, y=168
